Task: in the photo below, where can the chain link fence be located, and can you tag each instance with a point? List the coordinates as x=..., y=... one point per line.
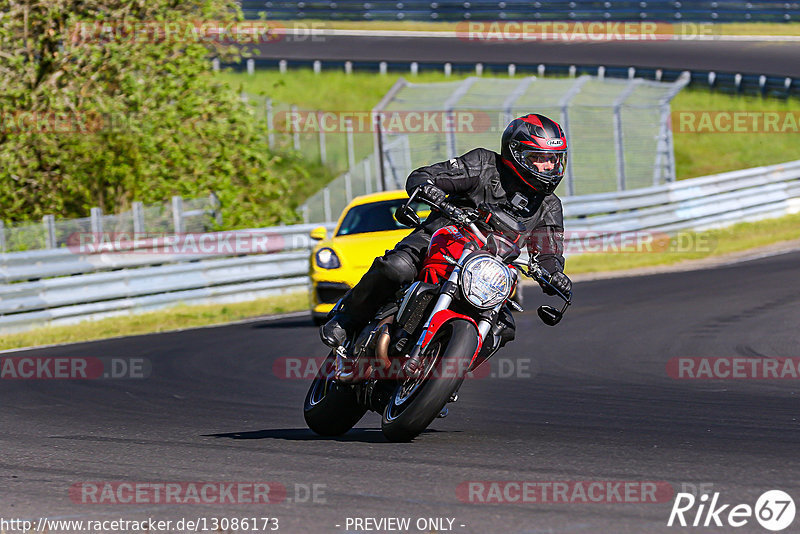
x=619, y=132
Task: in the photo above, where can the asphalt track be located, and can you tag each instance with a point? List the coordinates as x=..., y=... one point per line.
x=771, y=58
x=597, y=405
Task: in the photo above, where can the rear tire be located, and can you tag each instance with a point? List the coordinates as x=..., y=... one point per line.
x=331, y=408
x=412, y=408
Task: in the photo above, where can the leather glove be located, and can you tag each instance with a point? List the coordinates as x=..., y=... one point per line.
x=561, y=281
x=432, y=193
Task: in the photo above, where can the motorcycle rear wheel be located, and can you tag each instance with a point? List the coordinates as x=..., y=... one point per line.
x=331, y=408
x=415, y=403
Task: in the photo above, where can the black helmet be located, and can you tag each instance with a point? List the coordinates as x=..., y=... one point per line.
x=535, y=148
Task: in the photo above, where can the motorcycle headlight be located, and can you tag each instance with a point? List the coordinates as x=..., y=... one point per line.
x=485, y=282
x=327, y=259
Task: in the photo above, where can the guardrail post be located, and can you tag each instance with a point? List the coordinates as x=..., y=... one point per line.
x=177, y=214
x=96, y=215
x=270, y=123
x=414, y=68
x=317, y=66
x=448, y=69
x=295, y=133
x=138, y=217
x=282, y=66
x=49, y=222
x=383, y=67
x=323, y=155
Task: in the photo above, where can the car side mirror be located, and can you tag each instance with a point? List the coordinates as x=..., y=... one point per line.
x=406, y=216
x=549, y=315
x=319, y=233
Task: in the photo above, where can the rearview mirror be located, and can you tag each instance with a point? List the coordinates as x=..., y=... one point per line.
x=319, y=233
x=406, y=216
x=549, y=315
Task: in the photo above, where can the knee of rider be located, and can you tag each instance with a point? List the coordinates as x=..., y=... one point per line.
x=397, y=268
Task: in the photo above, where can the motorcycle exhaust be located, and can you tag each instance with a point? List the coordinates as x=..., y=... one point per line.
x=382, y=344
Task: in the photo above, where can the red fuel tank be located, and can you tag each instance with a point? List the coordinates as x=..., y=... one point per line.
x=450, y=241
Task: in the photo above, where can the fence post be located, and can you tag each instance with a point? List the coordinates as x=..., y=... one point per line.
x=2, y=236
x=326, y=204
x=295, y=133
x=351, y=149
x=323, y=156
x=49, y=222
x=138, y=217
x=367, y=177
x=348, y=186
x=618, y=137
x=270, y=124
x=96, y=215
x=177, y=214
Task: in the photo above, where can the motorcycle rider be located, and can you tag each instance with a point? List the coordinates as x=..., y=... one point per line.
x=521, y=179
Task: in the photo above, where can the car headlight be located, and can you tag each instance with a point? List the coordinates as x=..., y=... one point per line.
x=327, y=259
x=485, y=282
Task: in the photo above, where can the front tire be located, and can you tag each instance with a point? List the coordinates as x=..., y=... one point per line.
x=331, y=408
x=416, y=403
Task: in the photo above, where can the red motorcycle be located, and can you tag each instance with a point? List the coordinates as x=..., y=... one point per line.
x=411, y=359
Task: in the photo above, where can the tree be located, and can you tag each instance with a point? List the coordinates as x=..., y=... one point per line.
x=105, y=102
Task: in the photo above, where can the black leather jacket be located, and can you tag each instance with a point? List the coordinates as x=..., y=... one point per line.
x=481, y=176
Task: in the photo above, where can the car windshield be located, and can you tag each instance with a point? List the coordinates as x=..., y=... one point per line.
x=377, y=217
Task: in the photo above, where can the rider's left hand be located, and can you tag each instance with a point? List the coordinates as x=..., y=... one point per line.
x=561, y=282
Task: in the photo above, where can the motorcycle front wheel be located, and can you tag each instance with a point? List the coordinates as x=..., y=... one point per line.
x=416, y=402
x=331, y=408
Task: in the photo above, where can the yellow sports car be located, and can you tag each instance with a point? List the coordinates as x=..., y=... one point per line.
x=366, y=229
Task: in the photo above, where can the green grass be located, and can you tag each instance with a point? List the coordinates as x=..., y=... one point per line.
x=700, y=154
x=693, y=246
x=160, y=321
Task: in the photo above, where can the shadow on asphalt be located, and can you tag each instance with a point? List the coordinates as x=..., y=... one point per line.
x=300, y=322
x=363, y=435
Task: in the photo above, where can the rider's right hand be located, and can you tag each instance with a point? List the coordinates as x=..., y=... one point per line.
x=433, y=194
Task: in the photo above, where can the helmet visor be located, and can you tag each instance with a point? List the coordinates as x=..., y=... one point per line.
x=542, y=163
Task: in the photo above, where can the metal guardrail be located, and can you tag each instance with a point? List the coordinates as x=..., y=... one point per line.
x=62, y=287
x=686, y=10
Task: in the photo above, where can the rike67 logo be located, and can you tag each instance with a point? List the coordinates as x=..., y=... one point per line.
x=774, y=510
